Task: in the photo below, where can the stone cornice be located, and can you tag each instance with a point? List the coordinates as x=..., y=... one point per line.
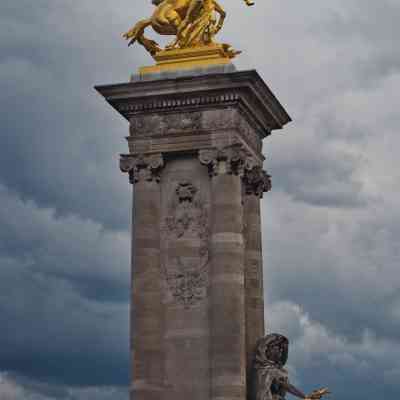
x=244, y=90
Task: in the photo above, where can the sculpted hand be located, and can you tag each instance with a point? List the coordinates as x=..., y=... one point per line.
x=317, y=394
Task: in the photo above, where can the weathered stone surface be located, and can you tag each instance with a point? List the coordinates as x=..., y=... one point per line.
x=240, y=103
x=195, y=161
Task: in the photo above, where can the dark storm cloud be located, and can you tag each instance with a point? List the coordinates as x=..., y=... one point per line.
x=18, y=387
x=94, y=261
x=320, y=180
x=52, y=334
x=64, y=285
x=61, y=149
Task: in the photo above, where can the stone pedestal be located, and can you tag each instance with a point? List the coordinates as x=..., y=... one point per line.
x=196, y=166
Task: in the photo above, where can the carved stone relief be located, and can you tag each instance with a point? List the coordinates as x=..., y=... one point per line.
x=226, y=119
x=187, y=219
x=250, y=134
x=164, y=124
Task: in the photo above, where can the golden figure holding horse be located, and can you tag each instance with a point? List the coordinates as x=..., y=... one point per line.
x=194, y=23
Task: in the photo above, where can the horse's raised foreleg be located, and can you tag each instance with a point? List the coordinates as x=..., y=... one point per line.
x=137, y=34
x=138, y=30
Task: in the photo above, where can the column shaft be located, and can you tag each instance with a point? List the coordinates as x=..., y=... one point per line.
x=227, y=289
x=253, y=276
x=146, y=311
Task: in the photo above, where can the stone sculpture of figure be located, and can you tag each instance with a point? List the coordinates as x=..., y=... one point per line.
x=269, y=379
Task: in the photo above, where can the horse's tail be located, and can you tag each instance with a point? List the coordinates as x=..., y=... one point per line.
x=150, y=45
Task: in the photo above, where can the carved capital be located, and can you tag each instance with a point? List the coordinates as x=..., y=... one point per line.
x=142, y=168
x=228, y=160
x=256, y=181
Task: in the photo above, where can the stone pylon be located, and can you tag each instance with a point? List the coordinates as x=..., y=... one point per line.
x=195, y=161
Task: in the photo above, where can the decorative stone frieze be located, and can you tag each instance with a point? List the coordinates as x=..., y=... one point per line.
x=140, y=167
x=256, y=181
x=173, y=103
x=148, y=125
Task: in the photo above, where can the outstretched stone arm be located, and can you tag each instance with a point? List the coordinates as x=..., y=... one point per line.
x=293, y=390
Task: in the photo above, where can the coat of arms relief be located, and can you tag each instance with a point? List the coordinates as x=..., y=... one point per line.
x=185, y=235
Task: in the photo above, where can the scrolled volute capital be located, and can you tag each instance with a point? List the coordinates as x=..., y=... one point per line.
x=228, y=160
x=142, y=167
x=256, y=181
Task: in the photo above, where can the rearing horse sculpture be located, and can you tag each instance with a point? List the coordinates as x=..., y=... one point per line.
x=193, y=22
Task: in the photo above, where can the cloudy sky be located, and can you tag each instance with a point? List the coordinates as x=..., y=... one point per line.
x=331, y=225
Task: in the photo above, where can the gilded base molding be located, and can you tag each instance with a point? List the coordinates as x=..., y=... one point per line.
x=188, y=58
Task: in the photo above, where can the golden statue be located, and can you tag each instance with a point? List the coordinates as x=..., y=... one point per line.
x=194, y=23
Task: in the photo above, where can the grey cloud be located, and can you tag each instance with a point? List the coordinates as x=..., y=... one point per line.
x=320, y=180
x=52, y=334
x=64, y=289
x=14, y=387
x=374, y=27
x=94, y=261
x=356, y=368
x=338, y=265
x=62, y=143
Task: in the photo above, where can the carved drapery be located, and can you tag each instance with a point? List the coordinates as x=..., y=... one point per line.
x=142, y=167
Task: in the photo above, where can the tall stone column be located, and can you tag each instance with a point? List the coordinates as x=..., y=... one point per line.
x=227, y=294
x=197, y=303
x=146, y=294
x=255, y=183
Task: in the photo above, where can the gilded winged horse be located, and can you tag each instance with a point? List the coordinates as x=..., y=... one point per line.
x=193, y=22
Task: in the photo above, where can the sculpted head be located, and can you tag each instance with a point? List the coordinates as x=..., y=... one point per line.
x=272, y=349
